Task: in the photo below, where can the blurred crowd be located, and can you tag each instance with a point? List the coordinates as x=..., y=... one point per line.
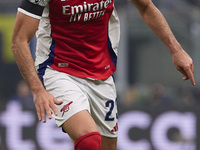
x=23, y=95
x=159, y=95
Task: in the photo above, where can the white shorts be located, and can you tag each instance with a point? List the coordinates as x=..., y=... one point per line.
x=77, y=94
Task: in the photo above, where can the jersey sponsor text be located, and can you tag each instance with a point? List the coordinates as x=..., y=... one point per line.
x=89, y=10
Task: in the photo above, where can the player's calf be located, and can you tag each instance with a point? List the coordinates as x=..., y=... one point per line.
x=90, y=141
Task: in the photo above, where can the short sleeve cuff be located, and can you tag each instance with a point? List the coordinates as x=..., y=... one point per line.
x=31, y=9
x=29, y=14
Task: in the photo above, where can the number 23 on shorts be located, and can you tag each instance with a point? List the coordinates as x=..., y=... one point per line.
x=110, y=104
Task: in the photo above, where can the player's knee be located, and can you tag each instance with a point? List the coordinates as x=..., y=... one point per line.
x=90, y=141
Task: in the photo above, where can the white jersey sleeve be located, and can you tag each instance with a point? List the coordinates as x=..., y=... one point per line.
x=114, y=30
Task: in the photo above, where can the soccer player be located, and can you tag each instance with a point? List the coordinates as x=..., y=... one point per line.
x=77, y=43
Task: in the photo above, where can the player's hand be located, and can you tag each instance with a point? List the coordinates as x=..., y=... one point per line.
x=184, y=64
x=44, y=102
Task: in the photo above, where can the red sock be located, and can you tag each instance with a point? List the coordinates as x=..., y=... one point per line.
x=90, y=141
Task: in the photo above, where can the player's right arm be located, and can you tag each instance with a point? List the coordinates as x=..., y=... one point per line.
x=24, y=30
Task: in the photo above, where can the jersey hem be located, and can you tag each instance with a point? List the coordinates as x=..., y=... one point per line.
x=93, y=76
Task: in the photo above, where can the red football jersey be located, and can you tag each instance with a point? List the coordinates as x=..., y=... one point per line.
x=77, y=37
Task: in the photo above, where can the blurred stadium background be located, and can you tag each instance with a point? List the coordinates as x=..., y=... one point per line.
x=157, y=110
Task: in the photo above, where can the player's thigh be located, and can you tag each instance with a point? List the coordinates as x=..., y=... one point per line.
x=108, y=143
x=79, y=124
x=73, y=113
x=103, y=106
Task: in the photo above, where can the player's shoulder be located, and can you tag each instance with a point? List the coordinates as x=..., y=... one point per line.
x=39, y=2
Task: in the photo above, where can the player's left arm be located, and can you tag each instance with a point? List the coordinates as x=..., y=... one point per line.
x=156, y=21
